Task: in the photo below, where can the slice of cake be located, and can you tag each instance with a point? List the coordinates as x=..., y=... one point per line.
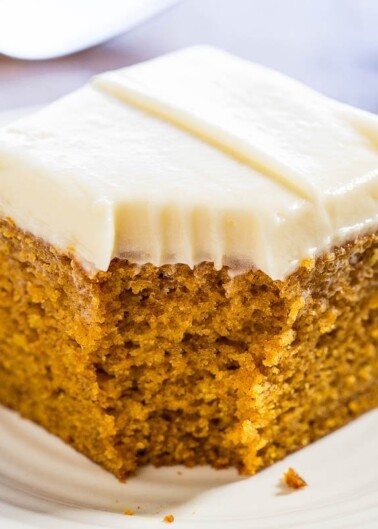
x=189, y=265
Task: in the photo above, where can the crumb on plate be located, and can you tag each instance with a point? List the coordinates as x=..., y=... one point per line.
x=293, y=479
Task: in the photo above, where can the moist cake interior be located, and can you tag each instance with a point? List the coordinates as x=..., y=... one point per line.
x=165, y=365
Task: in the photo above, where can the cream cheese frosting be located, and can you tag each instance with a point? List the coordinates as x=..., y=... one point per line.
x=194, y=156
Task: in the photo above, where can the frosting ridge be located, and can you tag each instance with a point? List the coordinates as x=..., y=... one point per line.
x=194, y=156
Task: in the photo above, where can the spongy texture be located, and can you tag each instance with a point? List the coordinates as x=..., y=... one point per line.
x=169, y=365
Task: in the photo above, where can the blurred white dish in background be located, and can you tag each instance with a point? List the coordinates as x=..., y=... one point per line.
x=43, y=29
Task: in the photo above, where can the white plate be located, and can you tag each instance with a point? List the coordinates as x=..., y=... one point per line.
x=46, y=484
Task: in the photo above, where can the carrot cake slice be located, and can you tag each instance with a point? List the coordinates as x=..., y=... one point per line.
x=189, y=265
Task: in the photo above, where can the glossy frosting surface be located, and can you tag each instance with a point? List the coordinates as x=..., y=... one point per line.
x=197, y=155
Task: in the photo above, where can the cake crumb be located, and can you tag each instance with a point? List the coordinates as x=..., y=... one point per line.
x=169, y=518
x=294, y=480
x=128, y=512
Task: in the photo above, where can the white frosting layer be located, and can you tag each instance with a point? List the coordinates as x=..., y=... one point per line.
x=194, y=156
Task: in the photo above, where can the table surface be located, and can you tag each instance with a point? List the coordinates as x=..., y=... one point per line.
x=331, y=45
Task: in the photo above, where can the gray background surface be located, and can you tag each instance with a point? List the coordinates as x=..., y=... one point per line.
x=331, y=45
